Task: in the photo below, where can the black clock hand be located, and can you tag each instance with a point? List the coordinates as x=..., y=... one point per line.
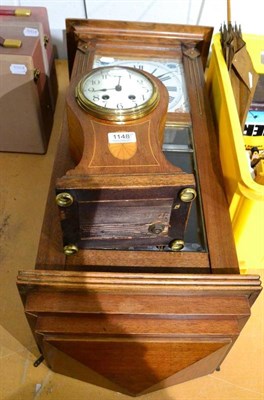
x=165, y=73
x=118, y=87
x=101, y=90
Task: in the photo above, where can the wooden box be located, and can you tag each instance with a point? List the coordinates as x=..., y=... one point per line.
x=30, y=79
x=25, y=101
x=36, y=22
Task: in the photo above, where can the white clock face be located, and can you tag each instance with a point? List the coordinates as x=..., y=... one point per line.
x=169, y=72
x=117, y=91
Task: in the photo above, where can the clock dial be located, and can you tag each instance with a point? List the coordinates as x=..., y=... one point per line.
x=117, y=93
x=169, y=72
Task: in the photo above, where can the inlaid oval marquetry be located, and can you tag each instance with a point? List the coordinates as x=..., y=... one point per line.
x=123, y=151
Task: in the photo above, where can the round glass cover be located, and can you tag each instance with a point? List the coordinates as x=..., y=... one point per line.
x=117, y=93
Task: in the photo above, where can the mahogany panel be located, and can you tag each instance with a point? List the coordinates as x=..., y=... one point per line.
x=62, y=363
x=97, y=325
x=216, y=217
x=134, y=303
x=136, y=366
x=200, y=368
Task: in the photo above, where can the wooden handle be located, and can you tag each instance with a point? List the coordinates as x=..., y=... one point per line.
x=229, y=11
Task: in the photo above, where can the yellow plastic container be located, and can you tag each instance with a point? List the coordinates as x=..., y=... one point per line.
x=245, y=196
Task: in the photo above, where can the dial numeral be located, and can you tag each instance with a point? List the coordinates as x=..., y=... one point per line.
x=104, y=76
x=172, y=88
x=164, y=78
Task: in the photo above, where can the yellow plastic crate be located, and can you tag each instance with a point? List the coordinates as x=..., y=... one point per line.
x=245, y=196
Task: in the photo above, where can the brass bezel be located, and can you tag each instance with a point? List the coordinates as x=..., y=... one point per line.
x=117, y=115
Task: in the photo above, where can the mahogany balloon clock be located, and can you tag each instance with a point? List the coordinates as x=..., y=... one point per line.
x=123, y=193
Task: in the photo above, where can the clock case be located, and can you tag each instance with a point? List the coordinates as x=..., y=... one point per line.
x=86, y=39
x=116, y=203
x=140, y=321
